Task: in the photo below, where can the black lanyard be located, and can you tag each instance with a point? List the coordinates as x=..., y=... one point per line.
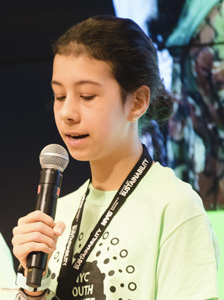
x=65, y=282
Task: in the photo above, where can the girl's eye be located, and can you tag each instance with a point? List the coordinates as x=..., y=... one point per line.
x=60, y=98
x=87, y=98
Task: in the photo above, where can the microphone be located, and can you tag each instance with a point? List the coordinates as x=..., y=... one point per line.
x=53, y=159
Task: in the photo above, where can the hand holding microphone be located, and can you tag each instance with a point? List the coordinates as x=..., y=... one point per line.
x=36, y=234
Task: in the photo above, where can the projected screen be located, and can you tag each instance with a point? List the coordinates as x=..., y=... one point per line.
x=190, y=56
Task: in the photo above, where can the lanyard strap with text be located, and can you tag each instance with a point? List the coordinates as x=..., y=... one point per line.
x=128, y=186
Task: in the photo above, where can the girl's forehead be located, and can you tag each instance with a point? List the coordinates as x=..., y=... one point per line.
x=73, y=69
x=84, y=59
x=74, y=63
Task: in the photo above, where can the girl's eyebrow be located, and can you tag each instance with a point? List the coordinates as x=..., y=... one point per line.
x=54, y=82
x=81, y=82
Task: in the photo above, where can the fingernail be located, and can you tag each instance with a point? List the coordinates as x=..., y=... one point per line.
x=58, y=230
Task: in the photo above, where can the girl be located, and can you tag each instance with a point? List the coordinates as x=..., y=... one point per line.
x=133, y=231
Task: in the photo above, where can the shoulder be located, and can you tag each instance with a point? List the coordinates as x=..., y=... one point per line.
x=171, y=199
x=176, y=207
x=162, y=183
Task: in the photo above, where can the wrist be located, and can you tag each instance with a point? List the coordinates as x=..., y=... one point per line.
x=22, y=295
x=21, y=281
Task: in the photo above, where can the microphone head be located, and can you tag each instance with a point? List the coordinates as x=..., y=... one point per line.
x=54, y=156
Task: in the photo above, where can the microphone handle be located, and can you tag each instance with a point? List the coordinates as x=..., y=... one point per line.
x=47, y=196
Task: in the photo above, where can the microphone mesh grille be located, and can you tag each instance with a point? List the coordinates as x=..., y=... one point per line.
x=54, y=156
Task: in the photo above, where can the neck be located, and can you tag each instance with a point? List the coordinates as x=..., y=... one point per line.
x=109, y=174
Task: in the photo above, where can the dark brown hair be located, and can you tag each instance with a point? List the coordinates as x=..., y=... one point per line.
x=129, y=51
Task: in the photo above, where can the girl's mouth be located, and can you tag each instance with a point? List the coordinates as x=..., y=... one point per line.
x=78, y=137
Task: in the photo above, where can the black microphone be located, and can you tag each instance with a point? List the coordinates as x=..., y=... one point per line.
x=53, y=159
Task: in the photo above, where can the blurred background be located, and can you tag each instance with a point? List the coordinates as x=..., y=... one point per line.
x=189, y=37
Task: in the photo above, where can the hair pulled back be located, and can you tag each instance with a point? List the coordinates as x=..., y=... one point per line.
x=130, y=53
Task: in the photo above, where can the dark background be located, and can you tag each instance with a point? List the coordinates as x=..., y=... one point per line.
x=27, y=31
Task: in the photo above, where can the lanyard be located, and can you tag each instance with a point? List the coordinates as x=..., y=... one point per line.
x=128, y=186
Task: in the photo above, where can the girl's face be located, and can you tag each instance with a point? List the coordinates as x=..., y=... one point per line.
x=88, y=108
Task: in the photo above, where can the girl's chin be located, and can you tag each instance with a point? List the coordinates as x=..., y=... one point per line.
x=78, y=154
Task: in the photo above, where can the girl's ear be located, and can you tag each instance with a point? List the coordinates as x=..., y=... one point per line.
x=140, y=102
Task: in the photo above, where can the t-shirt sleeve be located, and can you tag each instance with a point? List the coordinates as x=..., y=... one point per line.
x=7, y=273
x=187, y=262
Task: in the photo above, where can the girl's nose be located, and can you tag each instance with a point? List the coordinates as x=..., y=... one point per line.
x=69, y=111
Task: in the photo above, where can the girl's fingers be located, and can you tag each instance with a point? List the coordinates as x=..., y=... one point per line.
x=22, y=251
x=37, y=216
x=34, y=237
x=35, y=232
x=33, y=227
x=59, y=228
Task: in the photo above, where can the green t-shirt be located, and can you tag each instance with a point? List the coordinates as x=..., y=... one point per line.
x=7, y=273
x=158, y=246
